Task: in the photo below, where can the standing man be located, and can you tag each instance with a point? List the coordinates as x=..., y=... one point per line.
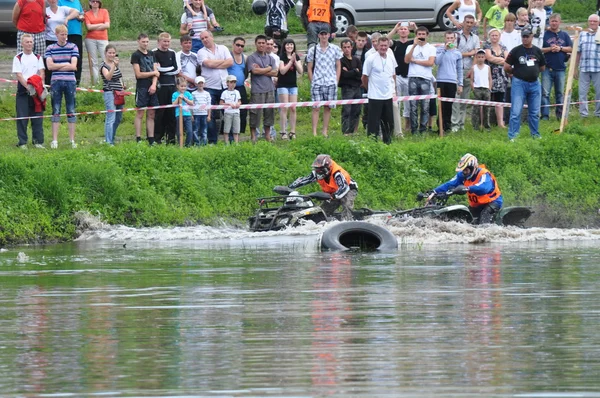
x=420, y=58
x=557, y=44
x=449, y=75
x=262, y=68
x=146, y=76
x=187, y=62
x=214, y=59
x=379, y=77
x=165, y=126
x=276, y=25
x=588, y=64
x=324, y=70
x=350, y=82
x=25, y=65
x=467, y=43
x=61, y=59
x=399, y=49
x=75, y=33
x=524, y=63
x=239, y=69
x=317, y=16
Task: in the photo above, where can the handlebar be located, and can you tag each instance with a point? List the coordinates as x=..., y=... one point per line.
x=440, y=198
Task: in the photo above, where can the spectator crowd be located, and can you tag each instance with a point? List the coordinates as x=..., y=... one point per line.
x=497, y=57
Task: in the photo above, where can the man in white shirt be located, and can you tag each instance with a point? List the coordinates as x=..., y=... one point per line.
x=379, y=77
x=214, y=59
x=420, y=58
x=187, y=62
x=26, y=65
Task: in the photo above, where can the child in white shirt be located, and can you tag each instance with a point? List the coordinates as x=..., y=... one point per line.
x=481, y=82
x=232, y=98
x=201, y=116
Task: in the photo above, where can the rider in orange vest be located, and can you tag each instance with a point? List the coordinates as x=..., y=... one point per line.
x=480, y=185
x=333, y=180
x=317, y=15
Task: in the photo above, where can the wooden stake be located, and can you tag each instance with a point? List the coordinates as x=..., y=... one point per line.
x=180, y=123
x=568, y=91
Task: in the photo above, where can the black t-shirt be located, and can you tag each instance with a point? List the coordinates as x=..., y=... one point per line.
x=399, y=50
x=167, y=61
x=526, y=62
x=146, y=63
x=288, y=80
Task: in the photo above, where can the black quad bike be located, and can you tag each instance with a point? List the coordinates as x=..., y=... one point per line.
x=437, y=208
x=290, y=209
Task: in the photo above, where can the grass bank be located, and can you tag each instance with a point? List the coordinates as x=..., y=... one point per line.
x=40, y=191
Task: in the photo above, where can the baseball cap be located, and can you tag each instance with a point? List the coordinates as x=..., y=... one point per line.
x=231, y=78
x=324, y=29
x=481, y=51
x=200, y=79
x=526, y=32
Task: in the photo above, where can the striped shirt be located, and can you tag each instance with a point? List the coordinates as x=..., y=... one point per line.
x=113, y=84
x=62, y=55
x=324, y=64
x=590, y=52
x=201, y=98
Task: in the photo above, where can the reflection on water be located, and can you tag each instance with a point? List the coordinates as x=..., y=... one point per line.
x=278, y=318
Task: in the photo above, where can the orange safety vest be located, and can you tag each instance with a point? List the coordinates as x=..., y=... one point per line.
x=319, y=11
x=478, y=200
x=332, y=186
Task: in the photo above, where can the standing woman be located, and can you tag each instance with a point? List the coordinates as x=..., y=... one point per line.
x=29, y=16
x=112, y=80
x=56, y=15
x=287, y=84
x=495, y=55
x=464, y=8
x=97, y=22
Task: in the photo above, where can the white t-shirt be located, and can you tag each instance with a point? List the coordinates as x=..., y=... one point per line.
x=382, y=76
x=201, y=98
x=277, y=60
x=421, y=53
x=538, y=25
x=187, y=63
x=28, y=66
x=231, y=97
x=56, y=19
x=215, y=77
x=511, y=40
x=199, y=24
x=481, y=77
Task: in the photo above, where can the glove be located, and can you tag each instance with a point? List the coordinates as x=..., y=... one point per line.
x=460, y=190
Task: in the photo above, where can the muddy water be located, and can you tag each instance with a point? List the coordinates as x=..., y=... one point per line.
x=222, y=312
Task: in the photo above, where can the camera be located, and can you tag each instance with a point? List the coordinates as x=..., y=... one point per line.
x=404, y=23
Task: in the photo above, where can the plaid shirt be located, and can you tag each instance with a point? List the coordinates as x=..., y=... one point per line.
x=324, y=72
x=590, y=52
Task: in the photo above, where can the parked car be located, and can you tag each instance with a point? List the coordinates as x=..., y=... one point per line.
x=389, y=12
x=8, y=31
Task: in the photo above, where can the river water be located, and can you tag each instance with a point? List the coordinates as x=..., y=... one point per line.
x=457, y=311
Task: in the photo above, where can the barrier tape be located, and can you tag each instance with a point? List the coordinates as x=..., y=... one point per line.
x=82, y=89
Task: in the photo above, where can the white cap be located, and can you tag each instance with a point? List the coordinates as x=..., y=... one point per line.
x=200, y=79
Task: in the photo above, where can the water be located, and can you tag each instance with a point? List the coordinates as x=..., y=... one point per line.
x=457, y=311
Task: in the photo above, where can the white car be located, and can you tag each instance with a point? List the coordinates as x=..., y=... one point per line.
x=388, y=12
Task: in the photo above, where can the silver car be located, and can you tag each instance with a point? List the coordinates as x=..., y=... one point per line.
x=388, y=12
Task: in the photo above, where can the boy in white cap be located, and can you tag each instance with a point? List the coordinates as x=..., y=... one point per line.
x=232, y=98
x=201, y=116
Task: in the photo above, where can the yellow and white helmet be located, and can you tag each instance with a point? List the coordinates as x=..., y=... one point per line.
x=466, y=161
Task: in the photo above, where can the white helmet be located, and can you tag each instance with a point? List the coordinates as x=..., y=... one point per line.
x=467, y=161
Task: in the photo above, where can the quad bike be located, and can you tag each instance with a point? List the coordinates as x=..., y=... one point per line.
x=436, y=207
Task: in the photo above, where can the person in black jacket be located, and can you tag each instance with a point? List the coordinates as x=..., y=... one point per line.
x=350, y=81
x=164, y=124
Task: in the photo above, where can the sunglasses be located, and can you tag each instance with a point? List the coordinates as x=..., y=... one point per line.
x=240, y=45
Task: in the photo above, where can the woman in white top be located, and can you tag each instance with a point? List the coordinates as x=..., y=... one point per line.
x=57, y=16
x=463, y=8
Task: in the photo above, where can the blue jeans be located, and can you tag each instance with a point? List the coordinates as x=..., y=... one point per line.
x=524, y=92
x=552, y=78
x=113, y=119
x=58, y=88
x=200, y=128
x=190, y=134
x=214, y=126
x=419, y=86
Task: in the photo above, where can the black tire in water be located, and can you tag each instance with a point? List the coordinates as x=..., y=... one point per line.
x=358, y=235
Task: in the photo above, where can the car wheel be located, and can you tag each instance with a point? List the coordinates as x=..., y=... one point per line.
x=343, y=19
x=443, y=21
x=358, y=235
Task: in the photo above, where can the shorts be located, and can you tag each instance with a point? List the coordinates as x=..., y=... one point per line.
x=287, y=90
x=143, y=98
x=323, y=93
x=268, y=113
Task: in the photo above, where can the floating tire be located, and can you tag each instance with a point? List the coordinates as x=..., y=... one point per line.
x=358, y=235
